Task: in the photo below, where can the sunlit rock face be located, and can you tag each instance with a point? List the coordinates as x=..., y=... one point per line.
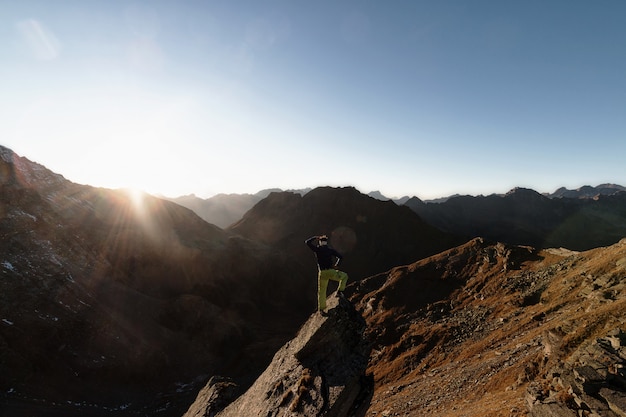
x=321, y=371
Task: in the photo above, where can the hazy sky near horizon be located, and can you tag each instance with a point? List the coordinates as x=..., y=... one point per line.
x=409, y=97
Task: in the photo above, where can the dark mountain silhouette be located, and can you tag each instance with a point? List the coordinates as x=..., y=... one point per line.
x=372, y=235
x=108, y=301
x=526, y=217
x=225, y=209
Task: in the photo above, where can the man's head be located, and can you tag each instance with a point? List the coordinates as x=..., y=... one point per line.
x=323, y=240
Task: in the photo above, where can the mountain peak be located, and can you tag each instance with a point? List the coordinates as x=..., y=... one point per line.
x=27, y=172
x=6, y=154
x=521, y=192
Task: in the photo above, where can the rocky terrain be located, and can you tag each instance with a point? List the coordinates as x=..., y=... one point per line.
x=494, y=330
x=118, y=302
x=113, y=303
x=321, y=371
x=484, y=329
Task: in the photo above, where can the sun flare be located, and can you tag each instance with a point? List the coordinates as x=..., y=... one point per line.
x=136, y=197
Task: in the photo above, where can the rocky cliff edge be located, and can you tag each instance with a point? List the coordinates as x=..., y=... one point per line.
x=321, y=372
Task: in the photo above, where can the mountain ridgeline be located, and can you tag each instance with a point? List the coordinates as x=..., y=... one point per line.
x=114, y=303
x=525, y=217
x=579, y=219
x=373, y=235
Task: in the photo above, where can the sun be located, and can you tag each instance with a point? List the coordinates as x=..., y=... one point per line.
x=142, y=210
x=137, y=198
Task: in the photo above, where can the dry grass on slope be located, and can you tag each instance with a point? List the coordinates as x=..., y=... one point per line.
x=485, y=321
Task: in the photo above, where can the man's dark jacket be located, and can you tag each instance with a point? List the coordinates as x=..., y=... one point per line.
x=324, y=254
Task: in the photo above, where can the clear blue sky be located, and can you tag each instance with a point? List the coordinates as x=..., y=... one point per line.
x=425, y=98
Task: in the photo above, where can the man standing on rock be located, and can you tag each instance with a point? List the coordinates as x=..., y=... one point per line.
x=328, y=260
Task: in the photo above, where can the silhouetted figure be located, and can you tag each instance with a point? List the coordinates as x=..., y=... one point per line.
x=328, y=260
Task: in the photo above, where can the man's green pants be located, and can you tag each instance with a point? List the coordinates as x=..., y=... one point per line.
x=322, y=284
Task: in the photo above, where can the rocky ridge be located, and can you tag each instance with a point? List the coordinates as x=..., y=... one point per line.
x=470, y=331
x=491, y=330
x=321, y=371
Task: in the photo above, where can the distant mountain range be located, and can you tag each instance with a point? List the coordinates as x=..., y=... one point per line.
x=584, y=221
x=587, y=191
x=225, y=209
x=127, y=305
x=578, y=219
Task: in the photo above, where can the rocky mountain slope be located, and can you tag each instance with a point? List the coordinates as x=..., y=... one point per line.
x=479, y=329
x=110, y=301
x=526, y=217
x=321, y=371
x=115, y=301
x=483, y=329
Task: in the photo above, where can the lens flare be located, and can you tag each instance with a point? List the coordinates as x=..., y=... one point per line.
x=40, y=41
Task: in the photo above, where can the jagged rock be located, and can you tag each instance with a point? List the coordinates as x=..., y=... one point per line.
x=590, y=383
x=319, y=372
x=616, y=401
x=217, y=394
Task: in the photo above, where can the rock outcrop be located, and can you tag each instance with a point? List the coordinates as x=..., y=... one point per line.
x=591, y=383
x=321, y=371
